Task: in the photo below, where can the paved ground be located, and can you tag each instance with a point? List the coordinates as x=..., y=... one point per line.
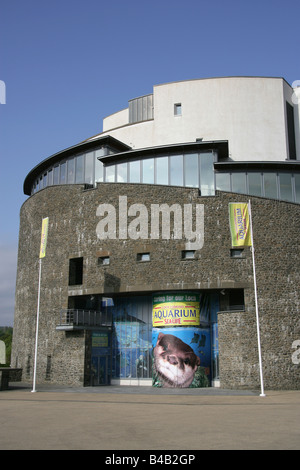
x=145, y=418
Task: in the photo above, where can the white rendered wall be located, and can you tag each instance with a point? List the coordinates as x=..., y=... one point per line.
x=249, y=112
x=296, y=103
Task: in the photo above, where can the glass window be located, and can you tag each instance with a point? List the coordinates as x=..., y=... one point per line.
x=103, y=261
x=100, y=152
x=122, y=172
x=177, y=109
x=207, y=186
x=56, y=175
x=63, y=168
x=191, y=170
x=79, y=169
x=285, y=182
x=254, y=182
x=132, y=337
x=237, y=253
x=71, y=171
x=50, y=177
x=89, y=168
x=270, y=185
x=297, y=188
x=188, y=254
x=98, y=171
x=110, y=176
x=223, y=181
x=148, y=170
x=143, y=257
x=162, y=170
x=176, y=170
x=45, y=180
x=99, y=166
x=238, y=182
x=135, y=172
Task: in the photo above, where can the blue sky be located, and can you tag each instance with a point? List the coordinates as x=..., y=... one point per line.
x=68, y=64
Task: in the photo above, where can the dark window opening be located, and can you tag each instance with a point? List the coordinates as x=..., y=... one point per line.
x=103, y=260
x=232, y=300
x=236, y=253
x=75, y=271
x=142, y=257
x=48, y=368
x=291, y=131
x=188, y=254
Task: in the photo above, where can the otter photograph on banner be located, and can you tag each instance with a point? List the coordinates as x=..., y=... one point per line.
x=181, y=357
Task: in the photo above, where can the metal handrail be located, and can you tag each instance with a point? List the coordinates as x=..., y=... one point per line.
x=88, y=318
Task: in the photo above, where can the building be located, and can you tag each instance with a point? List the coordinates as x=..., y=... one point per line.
x=140, y=283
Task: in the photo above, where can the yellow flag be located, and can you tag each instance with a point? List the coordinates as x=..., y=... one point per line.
x=44, y=237
x=239, y=224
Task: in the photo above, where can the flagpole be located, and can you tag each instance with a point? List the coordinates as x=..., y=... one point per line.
x=37, y=327
x=44, y=235
x=262, y=394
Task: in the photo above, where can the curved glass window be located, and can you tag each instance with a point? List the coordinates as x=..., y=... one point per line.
x=110, y=174
x=239, y=182
x=255, y=184
x=135, y=171
x=56, y=175
x=207, y=183
x=89, y=168
x=63, y=168
x=191, y=169
x=176, y=170
x=270, y=185
x=282, y=186
x=148, y=171
x=297, y=188
x=285, y=186
x=79, y=169
x=122, y=173
x=71, y=171
x=223, y=181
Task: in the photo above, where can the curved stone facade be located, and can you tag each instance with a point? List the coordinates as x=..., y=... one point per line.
x=64, y=355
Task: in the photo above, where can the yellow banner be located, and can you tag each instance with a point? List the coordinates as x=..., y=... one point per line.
x=239, y=224
x=44, y=237
x=176, y=313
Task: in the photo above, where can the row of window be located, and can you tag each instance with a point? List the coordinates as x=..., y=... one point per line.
x=273, y=185
x=190, y=169
x=195, y=170
x=76, y=264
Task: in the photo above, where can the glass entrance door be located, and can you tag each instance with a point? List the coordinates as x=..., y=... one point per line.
x=100, y=374
x=101, y=358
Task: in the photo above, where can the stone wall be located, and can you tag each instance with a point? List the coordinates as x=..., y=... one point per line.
x=72, y=233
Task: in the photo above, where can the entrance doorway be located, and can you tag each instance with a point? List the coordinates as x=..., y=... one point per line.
x=101, y=358
x=100, y=370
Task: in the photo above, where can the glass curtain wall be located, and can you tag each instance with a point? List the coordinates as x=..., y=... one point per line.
x=284, y=186
x=132, y=337
x=191, y=169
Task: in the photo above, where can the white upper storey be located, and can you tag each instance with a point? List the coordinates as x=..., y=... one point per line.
x=248, y=112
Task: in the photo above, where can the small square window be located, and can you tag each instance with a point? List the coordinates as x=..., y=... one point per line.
x=177, y=109
x=236, y=253
x=188, y=254
x=142, y=257
x=103, y=261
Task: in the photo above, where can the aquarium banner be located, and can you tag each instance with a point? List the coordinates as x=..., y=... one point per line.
x=176, y=310
x=181, y=357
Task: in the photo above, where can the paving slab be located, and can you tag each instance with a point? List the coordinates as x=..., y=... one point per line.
x=142, y=418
